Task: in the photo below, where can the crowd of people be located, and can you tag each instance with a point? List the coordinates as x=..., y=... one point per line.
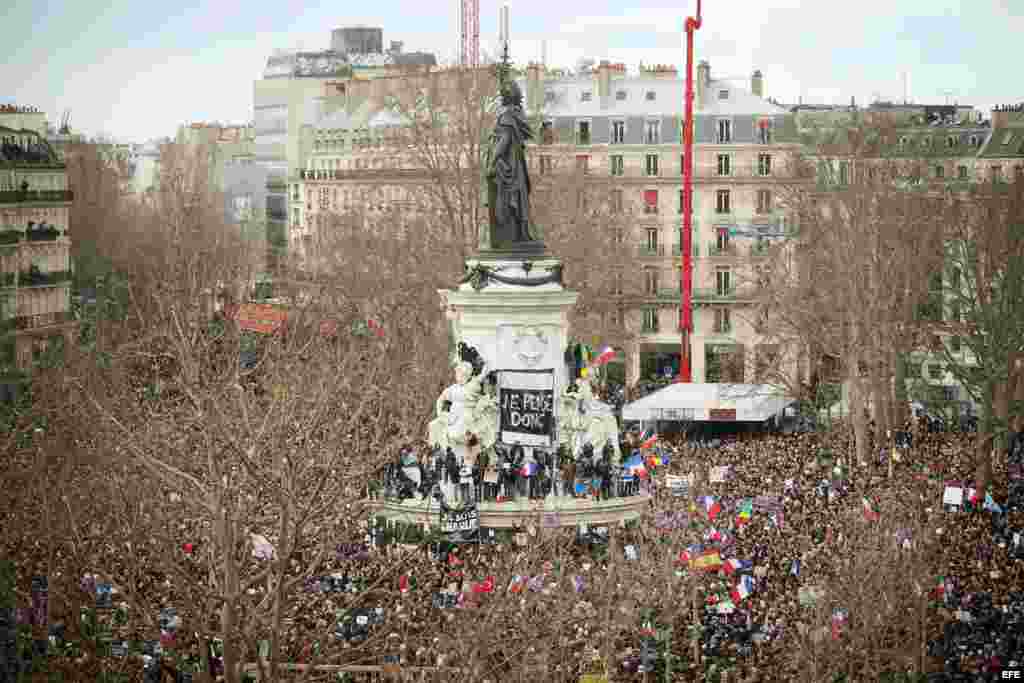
x=766, y=526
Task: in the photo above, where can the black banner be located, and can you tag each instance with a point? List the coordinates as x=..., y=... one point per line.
x=460, y=520
x=527, y=411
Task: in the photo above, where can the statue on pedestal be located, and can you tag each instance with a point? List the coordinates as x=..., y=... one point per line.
x=508, y=180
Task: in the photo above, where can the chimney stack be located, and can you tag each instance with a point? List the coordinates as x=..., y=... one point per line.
x=535, y=87
x=757, y=84
x=703, y=80
x=604, y=83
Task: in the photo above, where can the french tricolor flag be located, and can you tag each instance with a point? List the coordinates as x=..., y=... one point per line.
x=744, y=587
x=711, y=506
x=733, y=565
x=607, y=353
x=648, y=439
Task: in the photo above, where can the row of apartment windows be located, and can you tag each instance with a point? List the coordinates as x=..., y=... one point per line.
x=652, y=132
x=652, y=164
x=723, y=201
x=723, y=282
x=650, y=321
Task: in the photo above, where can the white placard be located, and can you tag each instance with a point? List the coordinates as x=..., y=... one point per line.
x=953, y=495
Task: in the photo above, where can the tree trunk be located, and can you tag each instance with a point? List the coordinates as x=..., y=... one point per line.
x=900, y=406
x=986, y=438
x=860, y=428
x=229, y=617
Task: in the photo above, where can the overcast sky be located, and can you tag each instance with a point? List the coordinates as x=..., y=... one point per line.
x=137, y=70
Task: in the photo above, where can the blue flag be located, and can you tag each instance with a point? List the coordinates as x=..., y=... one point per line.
x=794, y=569
x=991, y=505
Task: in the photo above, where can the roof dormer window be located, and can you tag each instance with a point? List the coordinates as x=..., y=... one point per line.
x=620, y=95
x=723, y=94
x=586, y=95
x=973, y=141
x=650, y=95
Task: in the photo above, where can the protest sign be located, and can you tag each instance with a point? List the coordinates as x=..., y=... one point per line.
x=460, y=520
x=953, y=494
x=720, y=474
x=526, y=407
x=767, y=504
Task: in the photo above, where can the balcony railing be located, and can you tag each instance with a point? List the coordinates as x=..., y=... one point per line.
x=760, y=248
x=35, y=278
x=727, y=250
x=32, y=322
x=648, y=250
x=715, y=294
x=650, y=329
x=677, y=250
x=17, y=196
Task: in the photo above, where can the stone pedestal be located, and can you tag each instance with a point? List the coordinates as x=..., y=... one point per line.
x=514, y=312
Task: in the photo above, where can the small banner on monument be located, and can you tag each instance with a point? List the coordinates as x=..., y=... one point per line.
x=527, y=405
x=453, y=521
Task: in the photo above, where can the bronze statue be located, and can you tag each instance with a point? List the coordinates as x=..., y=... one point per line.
x=508, y=181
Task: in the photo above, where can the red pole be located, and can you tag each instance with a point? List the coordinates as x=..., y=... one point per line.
x=686, y=238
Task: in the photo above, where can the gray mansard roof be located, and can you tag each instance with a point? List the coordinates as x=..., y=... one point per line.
x=564, y=97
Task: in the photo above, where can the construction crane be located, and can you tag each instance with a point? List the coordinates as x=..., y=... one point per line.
x=469, y=33
x=686, y=239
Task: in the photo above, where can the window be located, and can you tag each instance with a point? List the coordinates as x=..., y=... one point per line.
x=617, y=167
x=974, y=141
x=1018, y=171
x=954, y=343
x=618, y=132
x=615, y=201
x=652, y=132
x=586, y=96
x=618, y=236
x=914, y=370
x=951, y=141
x=763, y=134
x=723, y=282
x=324, y=198
x=723, y=321
x=650, y=95
x=545, y=164
x=583, y=163
x=652, y=239
x=996, y=172
x=724, y=131
x=926, y=143
x=961, y=172
x=722, y=201
x=682, y=162
x=650, y=320
x=650, y=201
x=651, y=164
x=296, y=218
x=620, y=95
x=934, y=371
x=940, y=172
x=722, y=239
x=904, y=142
x=764, y=164
x=682, y=201
x=1008, y=137
x=764, y=201
x=651, y=281
x=583, y=132
x=724, y=164
x=547, y=133
x=723, y=94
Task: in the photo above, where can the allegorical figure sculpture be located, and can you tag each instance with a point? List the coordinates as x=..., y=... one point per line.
x=508, y=181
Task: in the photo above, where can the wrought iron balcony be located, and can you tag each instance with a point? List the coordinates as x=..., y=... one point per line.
x=651, y=251
x=18, y=196
x=728, y=250
x=715, y=294
x=36, y=278
x=677, y=250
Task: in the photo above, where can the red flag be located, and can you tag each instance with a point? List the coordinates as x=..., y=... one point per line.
x=187, y=547
x=486, y=586
x=403, y=583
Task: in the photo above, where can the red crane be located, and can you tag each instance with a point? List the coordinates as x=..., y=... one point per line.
x=686, y=239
